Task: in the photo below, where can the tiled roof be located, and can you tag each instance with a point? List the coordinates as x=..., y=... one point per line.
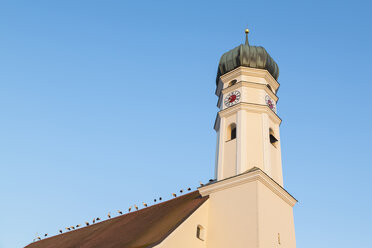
x=144, y=228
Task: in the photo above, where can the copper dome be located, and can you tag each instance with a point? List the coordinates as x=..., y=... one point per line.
x=248, y=56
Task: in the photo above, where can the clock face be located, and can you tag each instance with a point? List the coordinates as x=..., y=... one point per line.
x=270, y=102
x=232, y=98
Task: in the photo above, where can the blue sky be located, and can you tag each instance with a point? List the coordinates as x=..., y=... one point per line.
x=105, y=104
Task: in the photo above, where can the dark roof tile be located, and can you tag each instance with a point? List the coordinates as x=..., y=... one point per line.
x=144, y=228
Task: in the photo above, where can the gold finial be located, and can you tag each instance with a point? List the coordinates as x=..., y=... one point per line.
x=246, y=37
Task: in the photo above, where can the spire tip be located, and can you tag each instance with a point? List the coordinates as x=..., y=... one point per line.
x=246, y=37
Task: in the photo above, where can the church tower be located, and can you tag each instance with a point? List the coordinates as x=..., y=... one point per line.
x=248, y=206
x=247, y=124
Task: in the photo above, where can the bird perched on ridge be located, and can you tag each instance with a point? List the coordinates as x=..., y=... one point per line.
x=144, y=204
x=38, y=238
x=201, y=184
x=211, y=180
x=45, y=235
x=78, y=225
x=60, y=231
x=189, y=189
x=72, y=227
x=109, y=215
x=130, y=208
x=120, y=212
x=87, y=223
x=174, y=195
x=136, y=206
x=94, y=220
x=67, y=228
x=181, y=191
x=97, y=219
x=160, y=198
x=154, y=200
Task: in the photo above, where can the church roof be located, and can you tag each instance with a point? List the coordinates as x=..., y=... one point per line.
x=248, y=56
x=144, y=228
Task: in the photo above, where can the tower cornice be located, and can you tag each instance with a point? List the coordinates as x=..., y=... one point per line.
x=254, y=174
x=259, y=75
x=251, y=85
x=257, y=108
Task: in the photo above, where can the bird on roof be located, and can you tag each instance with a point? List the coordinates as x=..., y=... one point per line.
x=87, y=223
x=45, y=235
x=120, y=212
x=154, y=200
x=130, y=208
x=94, y=220
x=60, y=231
x=38, y=238
x=78, y=225
x=73, y=228
x=181, y=191
x=211, y=180
x=109, y=215
x=136, y=206
x=144, y=204
x=174, y=195
x=97, y=219
x=201, y=184
x=67, y=228
x=189, y=189
x=160, y=198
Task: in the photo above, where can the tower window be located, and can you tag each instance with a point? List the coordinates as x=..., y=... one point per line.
x=232, y=82
x=273, y=140
x=231, y=132
x=200, y=232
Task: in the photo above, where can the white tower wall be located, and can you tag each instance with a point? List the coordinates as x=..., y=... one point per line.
x=254, y=121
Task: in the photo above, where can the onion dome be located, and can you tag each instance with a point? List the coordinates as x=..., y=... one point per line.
x=248, y=56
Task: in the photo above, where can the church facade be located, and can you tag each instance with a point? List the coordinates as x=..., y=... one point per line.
x=246, y=204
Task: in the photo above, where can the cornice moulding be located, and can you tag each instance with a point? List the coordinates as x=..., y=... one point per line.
x=258, y=108
x=251, y=85
x=247, y=71
x=257, y=175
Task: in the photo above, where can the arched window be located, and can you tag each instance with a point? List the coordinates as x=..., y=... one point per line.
x=273, y=140
x=200, y=232
x=232, y=82
x=231, y=131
